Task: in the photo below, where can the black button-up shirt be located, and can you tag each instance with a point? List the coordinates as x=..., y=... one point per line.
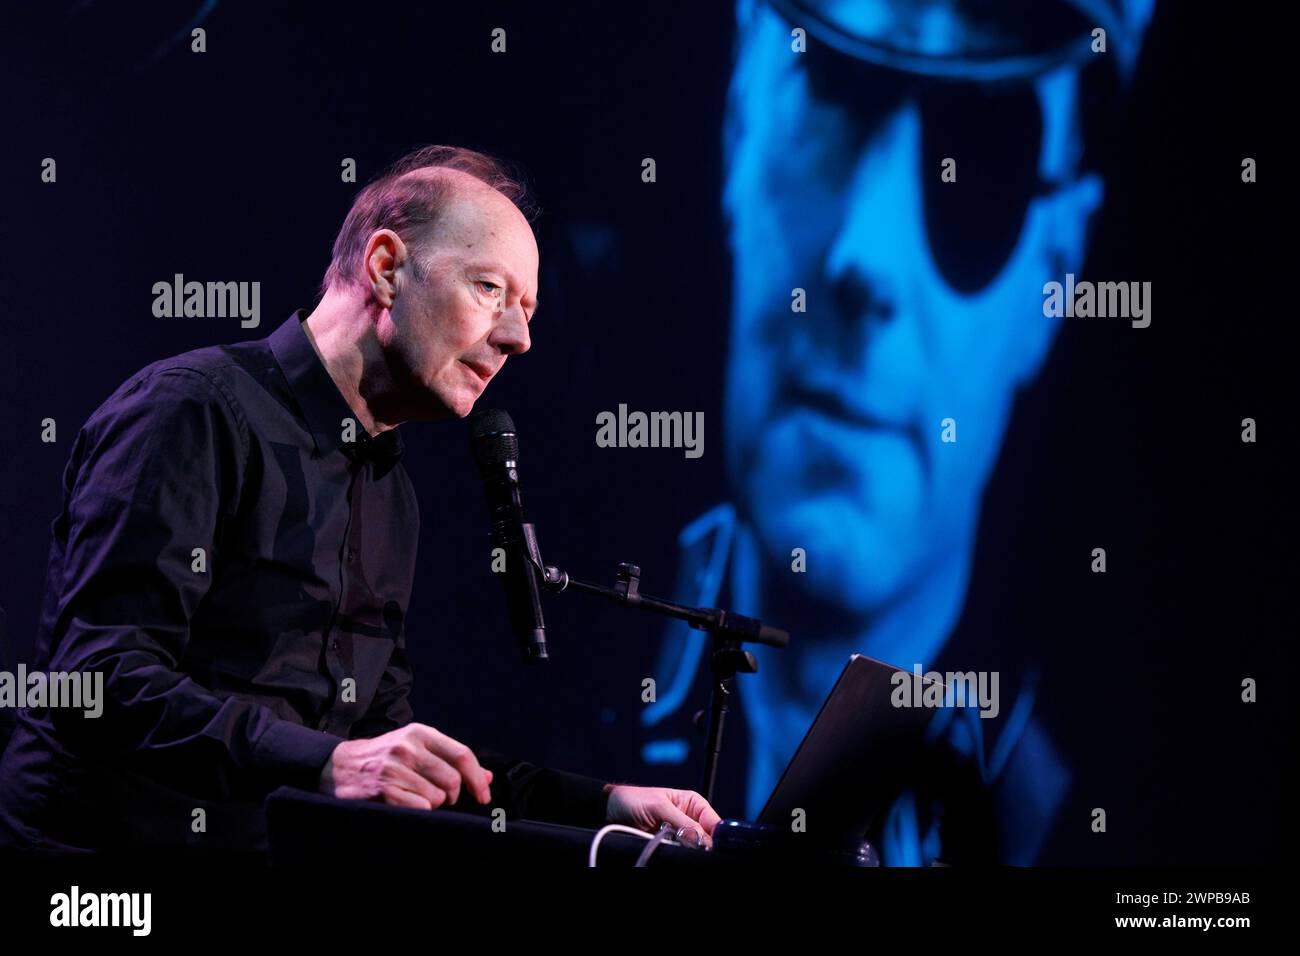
x=235, y=555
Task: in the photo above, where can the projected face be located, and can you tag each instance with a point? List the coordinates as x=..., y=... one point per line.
x=922, y=300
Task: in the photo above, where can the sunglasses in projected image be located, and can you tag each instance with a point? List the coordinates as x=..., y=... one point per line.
x=993, y=127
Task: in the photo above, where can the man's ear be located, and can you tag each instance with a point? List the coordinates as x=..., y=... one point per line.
x=385, y=254
x=1067, y=218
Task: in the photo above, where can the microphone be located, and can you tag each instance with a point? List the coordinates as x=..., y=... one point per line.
x=495, y=446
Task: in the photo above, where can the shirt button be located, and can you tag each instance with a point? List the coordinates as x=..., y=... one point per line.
x=352, y=555
x=334, y=643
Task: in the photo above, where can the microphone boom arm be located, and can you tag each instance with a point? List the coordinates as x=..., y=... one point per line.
x=729, y=632
x=627, y=593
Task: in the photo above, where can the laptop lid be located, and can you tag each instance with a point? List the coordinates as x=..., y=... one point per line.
x=859, y=754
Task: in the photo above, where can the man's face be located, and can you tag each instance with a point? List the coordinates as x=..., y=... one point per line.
x=835, y=414
x=455, y=321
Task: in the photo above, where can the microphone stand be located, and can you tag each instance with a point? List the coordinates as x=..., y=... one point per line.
x=728, y=633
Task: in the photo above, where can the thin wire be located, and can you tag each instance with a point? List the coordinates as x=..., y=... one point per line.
x=609, y=828
x=664, y=832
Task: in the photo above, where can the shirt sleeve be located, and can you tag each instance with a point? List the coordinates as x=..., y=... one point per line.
x=522, y=789
x=153, y=475
x=526, y=791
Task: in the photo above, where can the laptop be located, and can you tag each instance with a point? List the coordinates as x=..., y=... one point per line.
x=859, y=753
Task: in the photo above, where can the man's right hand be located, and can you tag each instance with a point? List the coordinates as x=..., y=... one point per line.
x=413, y=766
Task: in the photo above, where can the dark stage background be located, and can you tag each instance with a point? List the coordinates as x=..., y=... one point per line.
x=226, y=165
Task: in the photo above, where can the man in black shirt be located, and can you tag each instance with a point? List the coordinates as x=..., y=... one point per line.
x=237, y=544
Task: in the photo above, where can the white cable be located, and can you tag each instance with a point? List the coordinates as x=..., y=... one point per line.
x=600, y=835
x=663, y=834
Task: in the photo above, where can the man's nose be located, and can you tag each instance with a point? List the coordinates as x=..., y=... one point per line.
x=875, y=258
x=511, y=335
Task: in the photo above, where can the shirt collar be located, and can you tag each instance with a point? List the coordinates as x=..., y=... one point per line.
x=322, y=404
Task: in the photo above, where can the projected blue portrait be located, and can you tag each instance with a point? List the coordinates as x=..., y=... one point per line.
x=900, y=181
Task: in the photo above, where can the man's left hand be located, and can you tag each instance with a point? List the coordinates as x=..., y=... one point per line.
x=646, y=807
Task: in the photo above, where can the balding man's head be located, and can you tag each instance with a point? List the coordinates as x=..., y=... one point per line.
x=432, y=286
x=411, y=198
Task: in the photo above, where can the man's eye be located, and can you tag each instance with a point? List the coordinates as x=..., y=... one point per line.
x=491, y=288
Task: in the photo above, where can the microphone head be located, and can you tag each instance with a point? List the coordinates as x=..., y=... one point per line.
x=492, y=437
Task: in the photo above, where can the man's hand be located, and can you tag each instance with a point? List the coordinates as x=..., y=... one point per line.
x=413, y=766
x=646, y=807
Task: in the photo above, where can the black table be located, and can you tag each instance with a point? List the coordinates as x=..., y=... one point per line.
x=311, y=829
